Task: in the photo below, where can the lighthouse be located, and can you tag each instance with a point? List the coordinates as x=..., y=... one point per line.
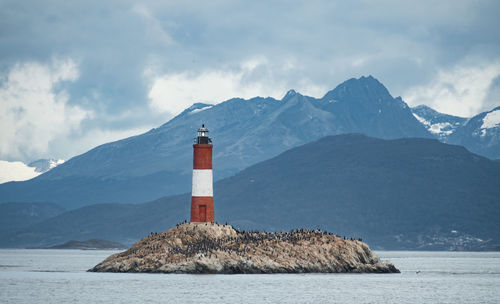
x=202, y=200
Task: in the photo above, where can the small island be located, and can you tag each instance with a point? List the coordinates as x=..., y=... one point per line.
x=210, y=248
x=92, y=244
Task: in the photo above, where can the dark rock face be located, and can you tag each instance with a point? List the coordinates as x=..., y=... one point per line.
x=214, y=248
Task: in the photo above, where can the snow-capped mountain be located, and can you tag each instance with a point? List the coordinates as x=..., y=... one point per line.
x=44, y=165
x=244, y=132
x=19, y=171
x=480, y=134
x=491, y=120
x=439, y=124
x=248, y=131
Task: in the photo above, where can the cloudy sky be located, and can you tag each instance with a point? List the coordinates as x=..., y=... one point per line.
x=76, y=74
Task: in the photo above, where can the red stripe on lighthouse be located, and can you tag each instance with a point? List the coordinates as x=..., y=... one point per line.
x=202, y=156
x=202, y=209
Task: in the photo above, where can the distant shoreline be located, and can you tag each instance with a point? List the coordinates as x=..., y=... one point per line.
x=92, y=244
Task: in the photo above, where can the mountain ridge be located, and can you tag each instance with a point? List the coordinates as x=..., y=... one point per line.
x=474, y=133
x=245, y=131
x=158, y=162
x=415, y=194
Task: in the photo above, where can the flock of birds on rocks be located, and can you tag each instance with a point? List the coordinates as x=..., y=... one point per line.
x=216, y=248
x=244, y=243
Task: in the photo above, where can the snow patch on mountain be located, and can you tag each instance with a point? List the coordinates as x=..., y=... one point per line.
x=491, y=120
x=441, y=128
x=200, y=109
x=44, y=165
x=55, y=163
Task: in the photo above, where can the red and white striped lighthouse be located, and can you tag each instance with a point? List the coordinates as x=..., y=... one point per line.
x=202, y=200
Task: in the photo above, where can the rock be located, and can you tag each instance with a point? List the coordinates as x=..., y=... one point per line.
x=215, y=248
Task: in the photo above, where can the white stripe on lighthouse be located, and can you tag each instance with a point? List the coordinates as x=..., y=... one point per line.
x=202, y=182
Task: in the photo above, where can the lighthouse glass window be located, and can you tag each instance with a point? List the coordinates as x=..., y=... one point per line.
x=202, y=134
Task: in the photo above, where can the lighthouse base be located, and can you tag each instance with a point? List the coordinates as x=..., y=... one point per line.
x=202, y=209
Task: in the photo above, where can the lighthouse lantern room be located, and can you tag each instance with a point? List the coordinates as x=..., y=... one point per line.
x=203, y=136
x=202, y=201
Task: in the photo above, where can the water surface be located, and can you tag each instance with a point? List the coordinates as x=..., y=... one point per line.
x=59, y=276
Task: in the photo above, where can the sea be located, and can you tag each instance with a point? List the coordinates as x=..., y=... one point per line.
x=60, y=276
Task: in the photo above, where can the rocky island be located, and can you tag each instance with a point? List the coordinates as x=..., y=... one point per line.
x=198, y=248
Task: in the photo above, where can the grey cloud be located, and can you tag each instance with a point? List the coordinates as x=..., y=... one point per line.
x=401, y=43
x=493, y=98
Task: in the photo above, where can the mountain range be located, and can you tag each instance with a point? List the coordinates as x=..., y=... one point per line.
x=245, y=132
x=480, y=134
x=410, y=193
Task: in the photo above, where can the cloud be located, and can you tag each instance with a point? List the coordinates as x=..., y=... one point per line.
x=140, y=62
x=95, y=137
x=172, y=93
x=461, y=91
x=154, y=26
x=16, y=171
x=34, y=107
